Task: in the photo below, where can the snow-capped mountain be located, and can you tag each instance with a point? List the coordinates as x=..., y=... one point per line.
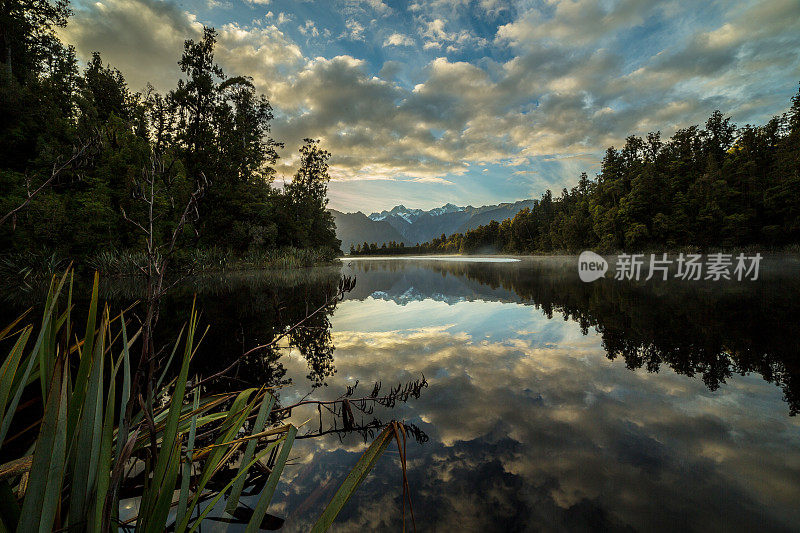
x=400, y=211
x=411, y=215
x=412, y=226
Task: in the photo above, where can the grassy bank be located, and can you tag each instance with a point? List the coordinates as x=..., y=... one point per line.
x=32, y=270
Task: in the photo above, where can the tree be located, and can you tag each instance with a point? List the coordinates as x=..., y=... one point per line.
x=105, y=92
x=312, y=223
x=28, y=35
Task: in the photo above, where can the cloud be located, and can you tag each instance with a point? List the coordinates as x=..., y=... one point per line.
x=432, y=180
x=576, y=21
x=360, y=120
x=434, y=32
x=308, y=29
x=366, y=7
x=562, y=80
x=591, y=88
x=144, y=39
x=399, y=39
x=353, y=31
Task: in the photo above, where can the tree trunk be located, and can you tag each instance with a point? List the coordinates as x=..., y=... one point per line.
x=7, y=67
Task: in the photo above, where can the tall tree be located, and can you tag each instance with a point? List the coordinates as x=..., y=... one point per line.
x=27, y=35
x=312, y=223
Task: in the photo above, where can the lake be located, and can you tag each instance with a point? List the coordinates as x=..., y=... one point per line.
x=555, y=404
x=551, y=404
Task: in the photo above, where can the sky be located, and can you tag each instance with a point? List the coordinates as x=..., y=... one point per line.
x=472, y=102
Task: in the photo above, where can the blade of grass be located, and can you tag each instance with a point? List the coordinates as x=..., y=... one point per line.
x=158, y=520
x=6, y=331
x=110, y=509
x=46, y=349
x=49, y=460
x=237, y=415
x=169, y=361
x=240, y=476
x=183, y=499
x=164, y=463
x=9, y=369
x=20, y=381
x=258, y=426
x=354, y=479
x=89, y=434
x=272, y=482
x=84, y=366
x=122, y=433
x=104, y=461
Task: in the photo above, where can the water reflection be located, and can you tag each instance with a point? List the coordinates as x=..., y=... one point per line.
x=535, y=418
x=250, y=309
x=552, y=404
x=242, y=310
x=710, y=329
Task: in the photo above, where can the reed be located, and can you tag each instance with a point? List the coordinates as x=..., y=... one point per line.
x=95, y=431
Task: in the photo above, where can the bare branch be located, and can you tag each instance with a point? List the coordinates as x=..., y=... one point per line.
x=345, y=286
x=57, y=170
x=131, y=221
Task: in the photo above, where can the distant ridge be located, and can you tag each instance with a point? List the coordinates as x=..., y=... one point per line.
x=411, y=226
x=356, y=228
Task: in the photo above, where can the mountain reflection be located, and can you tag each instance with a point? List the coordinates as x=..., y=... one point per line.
x=533, y=422
x=712, y=330
x=552, y=404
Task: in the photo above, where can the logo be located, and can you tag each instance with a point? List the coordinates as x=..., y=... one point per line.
x=591, y=266
x=636, y=267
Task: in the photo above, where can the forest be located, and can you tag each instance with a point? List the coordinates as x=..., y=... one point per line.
x=95, y=176
x=719, y=186
x=86, y=164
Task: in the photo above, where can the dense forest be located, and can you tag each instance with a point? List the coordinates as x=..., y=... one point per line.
x=85, y=162
x=718, y=186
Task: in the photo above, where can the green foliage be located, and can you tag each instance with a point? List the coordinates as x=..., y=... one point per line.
x=311, y=224
x=210, y=130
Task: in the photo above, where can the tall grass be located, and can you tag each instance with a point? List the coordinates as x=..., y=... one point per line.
x=94, y=433
x=29, y=271
x=127, y=263
x=115, y=263
x=217, y=259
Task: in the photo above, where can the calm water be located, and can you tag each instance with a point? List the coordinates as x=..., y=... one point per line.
x=555, y=404
x=552, y=404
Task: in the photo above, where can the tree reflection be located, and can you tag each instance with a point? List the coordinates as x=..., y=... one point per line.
x=251, y=309
x=709, y=330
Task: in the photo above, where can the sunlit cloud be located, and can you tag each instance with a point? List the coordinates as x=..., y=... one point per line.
x=545, y=82
x=398, y=39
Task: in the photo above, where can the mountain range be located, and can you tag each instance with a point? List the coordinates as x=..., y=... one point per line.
x=412, y=226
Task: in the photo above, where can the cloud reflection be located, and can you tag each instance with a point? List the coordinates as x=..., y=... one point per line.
x=532, y=427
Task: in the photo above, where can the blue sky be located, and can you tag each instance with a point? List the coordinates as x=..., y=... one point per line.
x=466, y=101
